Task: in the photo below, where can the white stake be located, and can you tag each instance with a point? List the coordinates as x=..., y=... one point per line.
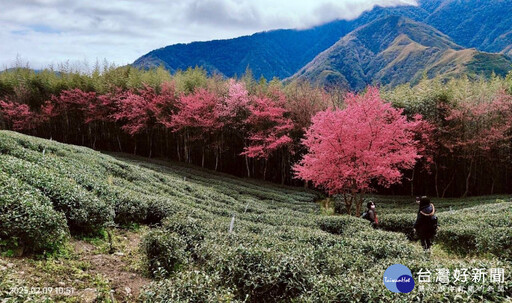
x=232, y=224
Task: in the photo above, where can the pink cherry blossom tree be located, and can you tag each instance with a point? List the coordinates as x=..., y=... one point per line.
x=349, y=150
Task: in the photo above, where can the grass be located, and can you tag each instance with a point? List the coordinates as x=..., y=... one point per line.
x=282, y=247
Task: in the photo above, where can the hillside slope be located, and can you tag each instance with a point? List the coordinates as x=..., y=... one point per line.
x=211, y=237
x=395, y=50
x=484, y=25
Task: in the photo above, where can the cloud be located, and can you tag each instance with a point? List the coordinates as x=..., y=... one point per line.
x=52, y=31
x=224, y=13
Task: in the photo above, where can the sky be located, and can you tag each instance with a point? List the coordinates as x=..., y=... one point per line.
x=44, y=33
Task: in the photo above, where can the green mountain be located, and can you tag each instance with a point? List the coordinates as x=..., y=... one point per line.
x=394, y=50
x=277, y=53
x=483, y=25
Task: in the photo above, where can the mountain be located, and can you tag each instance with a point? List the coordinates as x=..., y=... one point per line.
x=394, y=50
x=482, y=25
x=278, y=53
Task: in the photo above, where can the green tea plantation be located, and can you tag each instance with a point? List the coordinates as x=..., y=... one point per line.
x=210, y=237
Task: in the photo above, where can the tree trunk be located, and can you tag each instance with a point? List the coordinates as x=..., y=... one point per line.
x=283, y=167
x=167, y=141
x=265, y=169
x=435, y=180
x=359, y=203
x=412, y=181
x=247, y=166
x=448, y=185
x=348, y=203
x=119, y=143
x=150, y=139
x=467, y=179
x=178, y=147
x=186, y=145
x=217, y=157
x=202, y=156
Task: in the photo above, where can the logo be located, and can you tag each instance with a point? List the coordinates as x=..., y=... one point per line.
x=398, y=278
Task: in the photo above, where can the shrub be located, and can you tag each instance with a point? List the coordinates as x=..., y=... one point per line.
x=402, y=223
x=129, y=207
x=164, y=252
x=339, y=225
x=159, y=208
x=264, y=274
x=188, y=286
x=84, y=212
x=27, y=219
x=479, y=230
x=189, y=229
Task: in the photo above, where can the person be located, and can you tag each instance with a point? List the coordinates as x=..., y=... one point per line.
x=426, y=222
x=371, y=214
x=418, y=200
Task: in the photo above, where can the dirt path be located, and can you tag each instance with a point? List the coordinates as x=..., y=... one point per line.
x=88, y=273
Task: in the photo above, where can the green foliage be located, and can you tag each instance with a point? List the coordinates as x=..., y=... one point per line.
x=188, y=286
x=187, y=81
x=473, y=230
x=84, y=212
x=266, y=275
x=27, y=220
x=402, y=223
x=339, y=225
x=164, y=252
x=281, y=247
x=479, y=230
x=189, y=229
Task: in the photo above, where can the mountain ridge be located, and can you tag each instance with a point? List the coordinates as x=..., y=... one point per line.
x=390, y=51
x=283, y=53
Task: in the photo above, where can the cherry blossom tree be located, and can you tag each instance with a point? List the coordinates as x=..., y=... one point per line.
x=269, y=126
x=197, y=117
x=479, y=130
x=20, y=116
x=349, y=150
x=233, y=112
x=136, y=109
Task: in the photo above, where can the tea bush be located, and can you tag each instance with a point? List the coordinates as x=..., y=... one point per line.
x=263, y=274
x=84, y=211
x=402, y=223
x=189, y=287
x=280, y=248
x=164, y=252
x=27, y=219
x=342, y=224
x=473, y=230
x=479, y=230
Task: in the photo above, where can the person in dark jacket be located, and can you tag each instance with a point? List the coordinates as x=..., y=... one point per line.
x=426, y=222
x=372, y=214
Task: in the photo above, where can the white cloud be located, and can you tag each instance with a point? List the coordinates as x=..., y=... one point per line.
x=43, y=32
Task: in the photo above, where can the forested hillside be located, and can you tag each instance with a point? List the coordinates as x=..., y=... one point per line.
x=482, y=25
x=250, y=128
